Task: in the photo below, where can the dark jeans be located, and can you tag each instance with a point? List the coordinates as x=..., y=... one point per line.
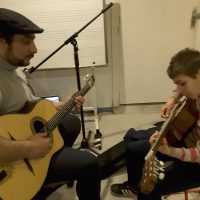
x=179, y=176
x=74, y=164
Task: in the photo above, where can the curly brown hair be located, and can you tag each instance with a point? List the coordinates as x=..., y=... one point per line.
x=186, y=61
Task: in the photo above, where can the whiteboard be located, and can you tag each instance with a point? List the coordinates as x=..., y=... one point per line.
x=61, y=19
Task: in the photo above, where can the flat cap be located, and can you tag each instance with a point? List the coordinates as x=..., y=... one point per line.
x=14, y=22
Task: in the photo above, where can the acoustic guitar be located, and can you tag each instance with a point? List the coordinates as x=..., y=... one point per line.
x=182, y=118
x=22, y=179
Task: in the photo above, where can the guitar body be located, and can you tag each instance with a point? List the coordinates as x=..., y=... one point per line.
x=22, y=179
x=182, y=123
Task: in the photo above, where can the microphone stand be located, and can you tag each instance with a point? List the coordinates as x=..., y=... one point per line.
x=84, y=143
x=72, y=40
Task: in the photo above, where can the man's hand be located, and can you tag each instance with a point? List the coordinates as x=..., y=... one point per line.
x=79, y=102
x=167, y=107
x=163, y=145
x=39, y=145
x=154, y=137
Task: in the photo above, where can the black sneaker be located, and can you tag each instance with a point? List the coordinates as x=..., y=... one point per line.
x=122, y=190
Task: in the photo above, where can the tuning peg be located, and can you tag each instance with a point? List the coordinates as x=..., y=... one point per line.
x=161, y=176
x=161, y=163
x=159, y=168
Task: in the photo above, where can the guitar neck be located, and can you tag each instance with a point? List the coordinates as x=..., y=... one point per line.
x=164, y=128
x=162, y=135
x=53, y=122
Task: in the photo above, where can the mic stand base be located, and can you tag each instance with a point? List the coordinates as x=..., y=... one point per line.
x=97, y=139
x=85, y=145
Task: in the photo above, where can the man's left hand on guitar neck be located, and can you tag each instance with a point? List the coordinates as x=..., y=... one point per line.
x=79, y=100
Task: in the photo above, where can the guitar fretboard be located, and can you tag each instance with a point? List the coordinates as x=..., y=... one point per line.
x=53, y=122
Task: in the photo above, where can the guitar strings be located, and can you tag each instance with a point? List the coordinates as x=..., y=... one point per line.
x=52, y=123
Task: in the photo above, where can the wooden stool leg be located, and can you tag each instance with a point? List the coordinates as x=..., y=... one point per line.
x=186, y=195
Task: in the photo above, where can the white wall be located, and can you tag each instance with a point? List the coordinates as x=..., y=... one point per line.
x=129, y=50
x=152, y=32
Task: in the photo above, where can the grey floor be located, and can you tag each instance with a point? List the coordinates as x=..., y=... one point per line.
x=113, y=127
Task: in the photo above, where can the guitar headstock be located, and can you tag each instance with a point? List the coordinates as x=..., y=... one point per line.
x=153, y=171
x=90, y=79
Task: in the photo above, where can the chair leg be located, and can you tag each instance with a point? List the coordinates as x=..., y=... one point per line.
x=70, y=184
x=186, y=194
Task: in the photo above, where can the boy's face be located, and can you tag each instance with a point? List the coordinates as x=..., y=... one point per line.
x=187, y=86
x=21, y=50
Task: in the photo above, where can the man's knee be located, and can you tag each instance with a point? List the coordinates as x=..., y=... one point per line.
x=70, y=123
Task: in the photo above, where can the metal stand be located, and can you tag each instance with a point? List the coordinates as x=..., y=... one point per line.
x=98, y=135
x=97, y=142
x=84, y=143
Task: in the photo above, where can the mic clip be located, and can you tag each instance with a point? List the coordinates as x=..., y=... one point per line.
x=27, y=73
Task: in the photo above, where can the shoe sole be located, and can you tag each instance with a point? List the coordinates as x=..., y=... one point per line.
x=125, y=196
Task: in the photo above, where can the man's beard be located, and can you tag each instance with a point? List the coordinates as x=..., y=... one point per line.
x=17, y=61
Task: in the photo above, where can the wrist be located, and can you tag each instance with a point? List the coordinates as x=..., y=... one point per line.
x=59, y=104
x=169, y=151
x=172, y=98
x=27, y=148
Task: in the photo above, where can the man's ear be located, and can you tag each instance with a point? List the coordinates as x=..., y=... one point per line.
x=2, y=42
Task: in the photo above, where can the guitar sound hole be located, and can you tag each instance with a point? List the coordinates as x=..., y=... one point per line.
x=38, y=125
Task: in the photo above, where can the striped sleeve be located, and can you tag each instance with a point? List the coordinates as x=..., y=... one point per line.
x=187, y=155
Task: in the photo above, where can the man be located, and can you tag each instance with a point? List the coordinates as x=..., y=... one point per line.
x=182, y=171
x=17, y=47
